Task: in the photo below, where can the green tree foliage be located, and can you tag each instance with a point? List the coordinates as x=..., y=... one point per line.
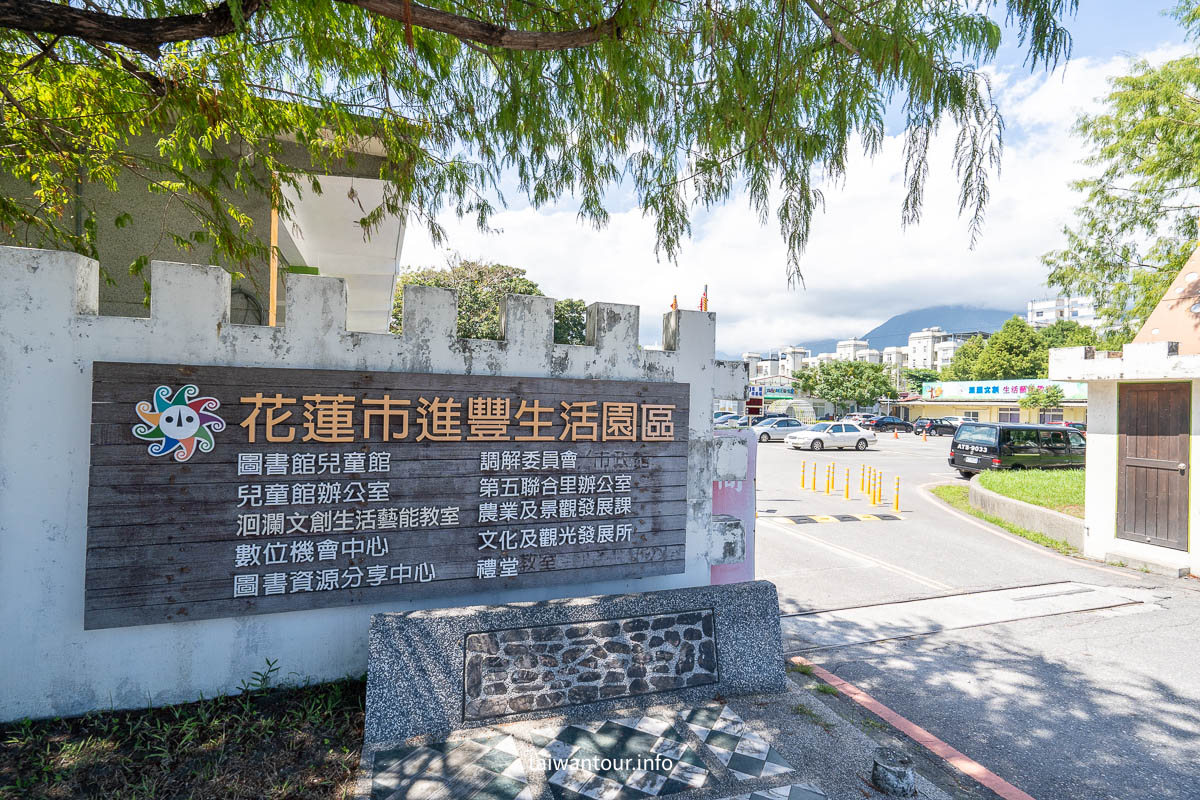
x=1021, y=352
x=1050, y=397
x=1014, y=351
x=1068, y=333
x=570, y=321
x=215, y=104
x=845, y=383
x=481, y=286
x=962, y=366
x=916, y=378
x=1137, y=225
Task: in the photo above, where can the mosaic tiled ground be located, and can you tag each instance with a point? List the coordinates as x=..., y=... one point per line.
x=630, y=758
x=747, y=754
x=616, y=760
x=485, y=768
x=797, y=791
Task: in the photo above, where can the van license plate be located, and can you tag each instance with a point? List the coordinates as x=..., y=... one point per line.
x=971, y=459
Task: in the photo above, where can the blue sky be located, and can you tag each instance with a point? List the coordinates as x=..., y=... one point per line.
x=1104, y=28
x=861, y=266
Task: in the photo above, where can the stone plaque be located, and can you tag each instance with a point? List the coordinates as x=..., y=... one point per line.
x=533, y=669
x=223, y=491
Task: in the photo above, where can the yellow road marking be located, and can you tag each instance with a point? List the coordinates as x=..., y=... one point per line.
x=822, y=518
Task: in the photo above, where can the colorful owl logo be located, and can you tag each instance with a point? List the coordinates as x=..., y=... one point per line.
x=180, y=424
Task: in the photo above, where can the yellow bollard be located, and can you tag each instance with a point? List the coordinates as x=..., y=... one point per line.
x=803, y=473
x=875, y=489
x=896, y=496
x=829, y=479
x=847, y=483
x=814, y=481
x=862, y=479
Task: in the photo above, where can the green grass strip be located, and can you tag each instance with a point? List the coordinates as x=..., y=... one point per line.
x=1059, y=489
x=956, y=496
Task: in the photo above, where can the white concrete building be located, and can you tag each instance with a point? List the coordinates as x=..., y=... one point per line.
x=848, y=349
x=922, y=347
x=752, y=361
x=1047, y=311
x=1143, y=493
x=943, y=352
x=895, y=357
x=768, y=368
x=324, y=233
x=793, y=359
x=759, y=367
x=870, y=356
x=782, y=362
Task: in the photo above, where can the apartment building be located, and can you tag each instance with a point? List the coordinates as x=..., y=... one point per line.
x=1047, y=311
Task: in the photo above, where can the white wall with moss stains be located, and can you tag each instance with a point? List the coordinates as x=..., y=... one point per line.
x=51, y=333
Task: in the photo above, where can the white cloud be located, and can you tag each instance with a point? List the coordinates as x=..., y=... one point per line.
x=861, y=266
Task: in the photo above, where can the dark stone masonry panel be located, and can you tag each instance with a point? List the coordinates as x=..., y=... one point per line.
x=522, y=670
x=418, y=660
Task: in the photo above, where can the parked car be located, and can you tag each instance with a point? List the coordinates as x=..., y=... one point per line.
x=831, y=434
x=933, y=426
x=885, y=424
x=989, y=445
x=956, y=421
x=776, y=428
x=1079, y=426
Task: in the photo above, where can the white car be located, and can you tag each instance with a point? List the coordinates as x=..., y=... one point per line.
x=773, y=428
x=831, y=434
x=956, y=421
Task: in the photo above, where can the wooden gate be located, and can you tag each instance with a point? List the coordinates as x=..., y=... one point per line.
x=1153, y=426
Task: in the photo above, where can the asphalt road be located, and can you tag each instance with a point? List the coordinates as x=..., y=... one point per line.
x=1072, y=704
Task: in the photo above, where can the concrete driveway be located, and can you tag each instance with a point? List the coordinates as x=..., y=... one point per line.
x=1067, y=678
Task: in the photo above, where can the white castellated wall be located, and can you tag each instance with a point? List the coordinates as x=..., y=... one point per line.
x=51, y=333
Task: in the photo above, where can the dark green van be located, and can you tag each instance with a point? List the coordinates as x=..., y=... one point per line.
x=990, y=445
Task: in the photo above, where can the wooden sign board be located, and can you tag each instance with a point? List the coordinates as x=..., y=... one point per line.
x=228, y=491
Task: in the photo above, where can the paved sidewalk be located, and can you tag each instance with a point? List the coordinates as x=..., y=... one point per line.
x=862, y=624
x=788, y=746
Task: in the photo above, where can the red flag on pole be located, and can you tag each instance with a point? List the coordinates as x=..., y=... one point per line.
x=704, y=299
x=675, y=303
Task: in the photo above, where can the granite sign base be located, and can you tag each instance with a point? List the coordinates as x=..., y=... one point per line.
x=433, y=672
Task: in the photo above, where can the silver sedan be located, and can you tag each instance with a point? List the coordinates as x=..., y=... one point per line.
x=774, y=429
x=831, y=434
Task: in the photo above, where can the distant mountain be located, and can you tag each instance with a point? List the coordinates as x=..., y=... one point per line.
x=894, y=332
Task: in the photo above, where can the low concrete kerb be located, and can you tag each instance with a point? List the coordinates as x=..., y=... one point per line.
x=1054, y=524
